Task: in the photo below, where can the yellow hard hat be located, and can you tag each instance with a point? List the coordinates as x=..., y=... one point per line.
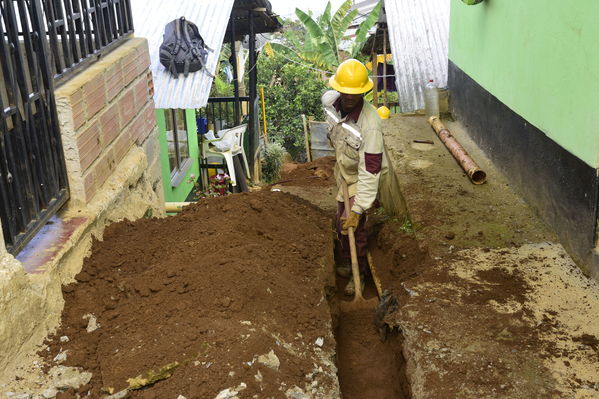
x=383, y=112
x=351, y=78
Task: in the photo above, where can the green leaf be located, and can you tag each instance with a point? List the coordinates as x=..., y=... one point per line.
x=325, y=24
x=332, y=38
x=284, y=50
x=317, y=46
x=293, y=39
x=345, y=23
x=312, y=27
x=323, y=60
x=326, y=16
x=225, y=52
x=363, y=29
x=341, y=14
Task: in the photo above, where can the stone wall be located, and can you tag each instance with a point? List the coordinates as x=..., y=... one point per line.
x=110, y=141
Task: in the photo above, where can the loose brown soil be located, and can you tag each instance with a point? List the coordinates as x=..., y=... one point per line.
x=438, y=294
x=316, y=173
x=213, y=288
x=369, y=368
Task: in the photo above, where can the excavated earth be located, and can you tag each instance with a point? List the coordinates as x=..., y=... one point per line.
x=240, y=292
x=232, y=290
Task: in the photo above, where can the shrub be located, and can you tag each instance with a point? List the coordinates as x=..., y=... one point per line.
x=290, y=91
x=272, y=160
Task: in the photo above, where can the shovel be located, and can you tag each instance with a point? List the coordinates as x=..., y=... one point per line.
x=352, y=249
x=387, y=303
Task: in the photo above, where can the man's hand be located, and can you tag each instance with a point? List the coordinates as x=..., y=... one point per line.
x=352, y=221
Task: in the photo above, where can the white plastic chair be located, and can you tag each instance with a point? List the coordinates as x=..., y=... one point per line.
x=235, y=148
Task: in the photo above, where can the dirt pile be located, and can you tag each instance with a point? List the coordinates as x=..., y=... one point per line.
x=232, y=290
x=316, y=173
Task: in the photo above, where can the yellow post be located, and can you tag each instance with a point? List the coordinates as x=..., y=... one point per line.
x=263, y=112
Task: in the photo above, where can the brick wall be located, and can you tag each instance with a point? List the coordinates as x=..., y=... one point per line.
x=103, y=112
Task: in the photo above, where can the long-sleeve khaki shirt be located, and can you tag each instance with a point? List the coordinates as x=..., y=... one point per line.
x=359, y=148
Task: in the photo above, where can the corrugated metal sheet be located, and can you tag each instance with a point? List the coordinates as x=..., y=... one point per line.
x=364, y=8
x=211, y=17
x=419, y=35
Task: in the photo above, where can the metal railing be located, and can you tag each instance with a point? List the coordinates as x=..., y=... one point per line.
x=43, y=42
x=79, y=31
x=33, y=182
x=221, y=112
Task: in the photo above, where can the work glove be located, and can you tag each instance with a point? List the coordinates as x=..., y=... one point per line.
x=352, y=221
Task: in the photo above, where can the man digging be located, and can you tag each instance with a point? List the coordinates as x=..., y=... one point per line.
x=356, y=135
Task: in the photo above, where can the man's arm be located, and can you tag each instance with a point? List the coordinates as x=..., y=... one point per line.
x=369, y=168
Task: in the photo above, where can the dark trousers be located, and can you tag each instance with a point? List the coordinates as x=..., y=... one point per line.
x=359, y=234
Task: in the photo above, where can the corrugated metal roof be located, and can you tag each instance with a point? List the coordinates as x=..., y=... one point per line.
x=419, y=35
x=211, y=18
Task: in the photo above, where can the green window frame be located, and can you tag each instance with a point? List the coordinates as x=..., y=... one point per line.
x=178, y=145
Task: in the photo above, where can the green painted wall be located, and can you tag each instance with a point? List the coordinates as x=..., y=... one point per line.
x=541, y=59
x=179, y=193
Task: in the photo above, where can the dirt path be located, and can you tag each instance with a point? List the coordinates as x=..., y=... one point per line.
x=492, y=305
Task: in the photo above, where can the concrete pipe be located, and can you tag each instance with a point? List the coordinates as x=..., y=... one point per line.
x=476, y=174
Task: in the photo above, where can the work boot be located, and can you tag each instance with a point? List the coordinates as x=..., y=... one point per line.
x=350, y=289
x=344, y=271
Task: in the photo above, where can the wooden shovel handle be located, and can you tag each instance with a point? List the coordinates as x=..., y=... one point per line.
x=355, y=269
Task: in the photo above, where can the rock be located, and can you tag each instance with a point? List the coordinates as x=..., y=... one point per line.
x=319, y=342
x=226, y=302
x=230, y=393
x=64, y=377
x=450, y=235
x=64, y=338
x=92, y=322
x=155, y=287
x=259, y=377
x=61, y=357
x=255, y=205
x=270, y=360
x=50, y=393
x=124, y=394
x=410, y=291
x=181, y=397
x=322, y=173
x=296, y=393
x=15, y=395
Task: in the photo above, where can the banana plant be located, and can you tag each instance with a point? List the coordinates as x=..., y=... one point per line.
x=362, y=32
x=320, y=44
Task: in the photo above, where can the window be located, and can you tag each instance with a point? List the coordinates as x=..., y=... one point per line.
x=178, y=145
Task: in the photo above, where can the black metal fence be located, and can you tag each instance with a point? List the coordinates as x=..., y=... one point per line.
x=80, y=30
x=224, y=112
x=42, y=41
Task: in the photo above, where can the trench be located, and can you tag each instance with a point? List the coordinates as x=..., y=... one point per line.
x=367, y=367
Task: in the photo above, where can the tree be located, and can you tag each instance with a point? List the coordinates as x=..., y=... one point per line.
x=320, y=43
x=291, y=90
